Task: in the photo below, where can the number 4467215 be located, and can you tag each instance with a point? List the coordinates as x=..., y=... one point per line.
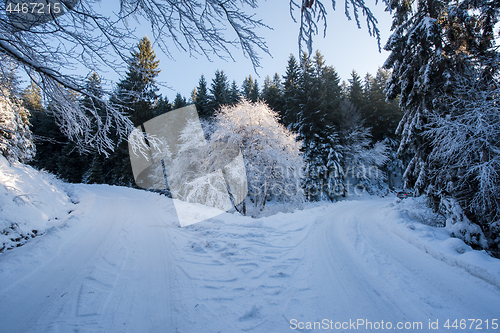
x=472, y=324
x=34, y=8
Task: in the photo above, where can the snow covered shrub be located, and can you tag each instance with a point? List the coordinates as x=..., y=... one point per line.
x=15, y=136
x=459, y=225
x=271, y=153
x=417, y=209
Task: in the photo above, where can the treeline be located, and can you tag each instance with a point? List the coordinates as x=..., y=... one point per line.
x=338, y=122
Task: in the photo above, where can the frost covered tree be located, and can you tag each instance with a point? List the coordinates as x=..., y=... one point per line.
x=465, y=156
x=421, y=72
x=271, y=153
x=16, y=143
x=432, y=48
x=429, y=46
x=314, y=11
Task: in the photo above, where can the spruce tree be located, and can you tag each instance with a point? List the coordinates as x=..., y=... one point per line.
x=95, y=174
x=32, y=98
x=382, y=116
x=247, y=87
x=219, y=91
x=73, y=165
x=290, y=94
x=138, y=91
x=138, y=94
x=92, y=166
x=162, y=106
x=179, y=102
x=315, y=129
x=432, y=48
x=202, y=101
x=234, y=95
x=254, y=94
x=271, y=92
x=356, y=90
x=48, y=139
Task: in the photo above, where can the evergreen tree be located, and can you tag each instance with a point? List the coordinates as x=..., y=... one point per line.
x=95, y=174
x=234, y=95
x=431, y=48
x=382, y=116
x=202, y=101
x=247, y=87
x=138, y=91
x=291, y=91
x=32, y=98
x=356, y=90
x=331, y=94
x=138, y=94
x=8, y=75
x=315, y=129
x=80, y=168
x=219, y=91
x=179, y=102
x=254, y=94
x=73, y=165
x=48, y=139
x=271, y=92
x=162, y=106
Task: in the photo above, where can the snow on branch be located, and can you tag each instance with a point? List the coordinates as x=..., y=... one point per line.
x=314, y=11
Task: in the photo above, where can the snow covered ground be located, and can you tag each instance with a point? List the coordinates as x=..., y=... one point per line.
x=117, y=261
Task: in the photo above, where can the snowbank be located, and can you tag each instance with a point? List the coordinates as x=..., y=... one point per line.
x=31, y=202
x=423, y=228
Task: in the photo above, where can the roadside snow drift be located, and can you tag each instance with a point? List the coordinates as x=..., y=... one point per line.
x=30, y=203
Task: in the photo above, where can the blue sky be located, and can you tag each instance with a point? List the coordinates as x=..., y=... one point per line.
x=345, y=47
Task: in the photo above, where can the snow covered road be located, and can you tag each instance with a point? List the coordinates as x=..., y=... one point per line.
x=120, y=263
